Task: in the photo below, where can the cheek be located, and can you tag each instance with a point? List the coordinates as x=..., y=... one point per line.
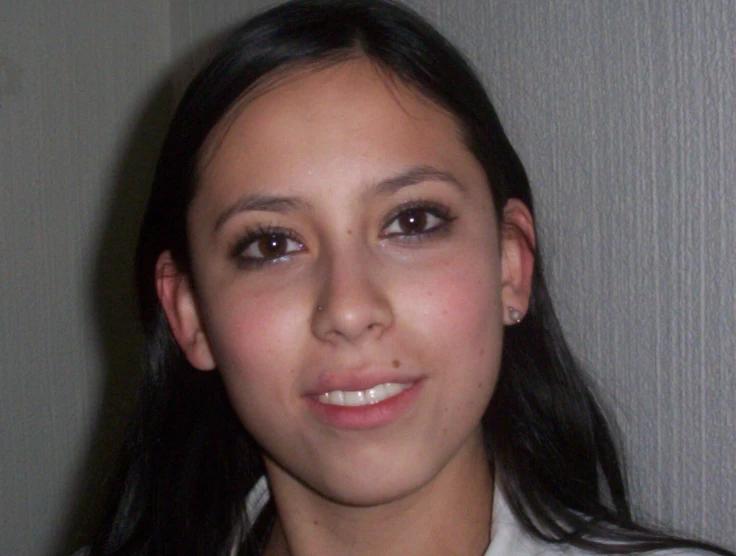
x=256, y=348
x=251, y=331
x=462, y=329
x=255, y=341
x=461, y=302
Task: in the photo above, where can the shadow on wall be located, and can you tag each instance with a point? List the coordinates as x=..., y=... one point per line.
x=113, y=296
x=116, y=322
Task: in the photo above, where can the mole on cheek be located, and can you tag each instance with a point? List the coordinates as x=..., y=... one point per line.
x=396, y=363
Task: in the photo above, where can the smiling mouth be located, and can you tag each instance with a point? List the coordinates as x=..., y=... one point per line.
x=357, y=398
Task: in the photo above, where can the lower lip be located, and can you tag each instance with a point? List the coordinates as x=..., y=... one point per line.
x=364, y=417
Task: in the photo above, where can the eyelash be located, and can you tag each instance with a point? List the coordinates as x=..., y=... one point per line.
x=436, y=210
x=256, y=234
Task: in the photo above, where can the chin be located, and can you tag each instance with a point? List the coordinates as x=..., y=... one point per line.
x=371, y=490
x=363, y=477
x=375, y=476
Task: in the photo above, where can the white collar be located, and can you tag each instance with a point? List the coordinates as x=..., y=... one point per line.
x=507, y=535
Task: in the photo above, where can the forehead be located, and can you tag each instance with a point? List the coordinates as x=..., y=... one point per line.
x=350, y=116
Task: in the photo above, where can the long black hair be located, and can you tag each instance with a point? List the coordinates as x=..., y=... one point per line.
x=188, y=464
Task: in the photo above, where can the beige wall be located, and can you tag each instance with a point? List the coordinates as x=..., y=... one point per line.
x=622, y=111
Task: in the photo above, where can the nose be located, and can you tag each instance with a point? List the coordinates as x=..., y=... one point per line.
x=352, y=302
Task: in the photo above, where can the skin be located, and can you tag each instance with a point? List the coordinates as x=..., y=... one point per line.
x=354, y=291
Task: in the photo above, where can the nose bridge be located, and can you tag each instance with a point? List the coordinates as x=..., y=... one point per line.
x=352, y=297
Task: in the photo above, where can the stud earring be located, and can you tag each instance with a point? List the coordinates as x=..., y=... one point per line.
x=514, y=315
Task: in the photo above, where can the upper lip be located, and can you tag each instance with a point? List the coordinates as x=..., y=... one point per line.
x=353, y=380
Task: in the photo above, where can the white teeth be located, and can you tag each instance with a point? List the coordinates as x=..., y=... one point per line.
x=373, y=395
x=355, y=398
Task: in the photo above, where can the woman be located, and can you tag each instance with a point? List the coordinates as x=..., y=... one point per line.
x=341, y=292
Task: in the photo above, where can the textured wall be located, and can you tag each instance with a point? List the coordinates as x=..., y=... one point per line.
x=74, y=79
x=623, y=113
x=671, y=176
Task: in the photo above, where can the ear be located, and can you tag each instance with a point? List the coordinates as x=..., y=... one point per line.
x=518, y=243
x=178, y=301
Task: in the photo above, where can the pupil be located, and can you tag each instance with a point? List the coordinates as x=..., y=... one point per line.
x=272, y=245
x=413, y=221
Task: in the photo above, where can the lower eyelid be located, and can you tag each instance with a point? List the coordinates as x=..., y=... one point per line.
x=437, y=232
x=255, y=264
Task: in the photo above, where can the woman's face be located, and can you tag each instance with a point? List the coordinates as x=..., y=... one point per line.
x=349, y=283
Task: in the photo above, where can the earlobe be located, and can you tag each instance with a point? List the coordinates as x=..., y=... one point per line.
x=178, y=301
x=517, y=260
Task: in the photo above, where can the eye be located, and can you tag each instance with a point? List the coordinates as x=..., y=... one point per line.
x=416, y=221
x=265, y=246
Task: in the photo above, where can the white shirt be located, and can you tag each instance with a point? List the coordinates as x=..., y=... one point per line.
x=508, y=538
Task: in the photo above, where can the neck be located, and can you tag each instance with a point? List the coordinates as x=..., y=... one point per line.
x=449, y=515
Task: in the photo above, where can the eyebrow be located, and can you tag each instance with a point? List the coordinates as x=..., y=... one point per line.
x=386, y=187
x=264, y=203
x=414, y=176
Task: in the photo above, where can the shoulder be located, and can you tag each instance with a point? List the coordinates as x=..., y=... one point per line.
x=508, y=537
x=525, y=545
x=664, y=552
